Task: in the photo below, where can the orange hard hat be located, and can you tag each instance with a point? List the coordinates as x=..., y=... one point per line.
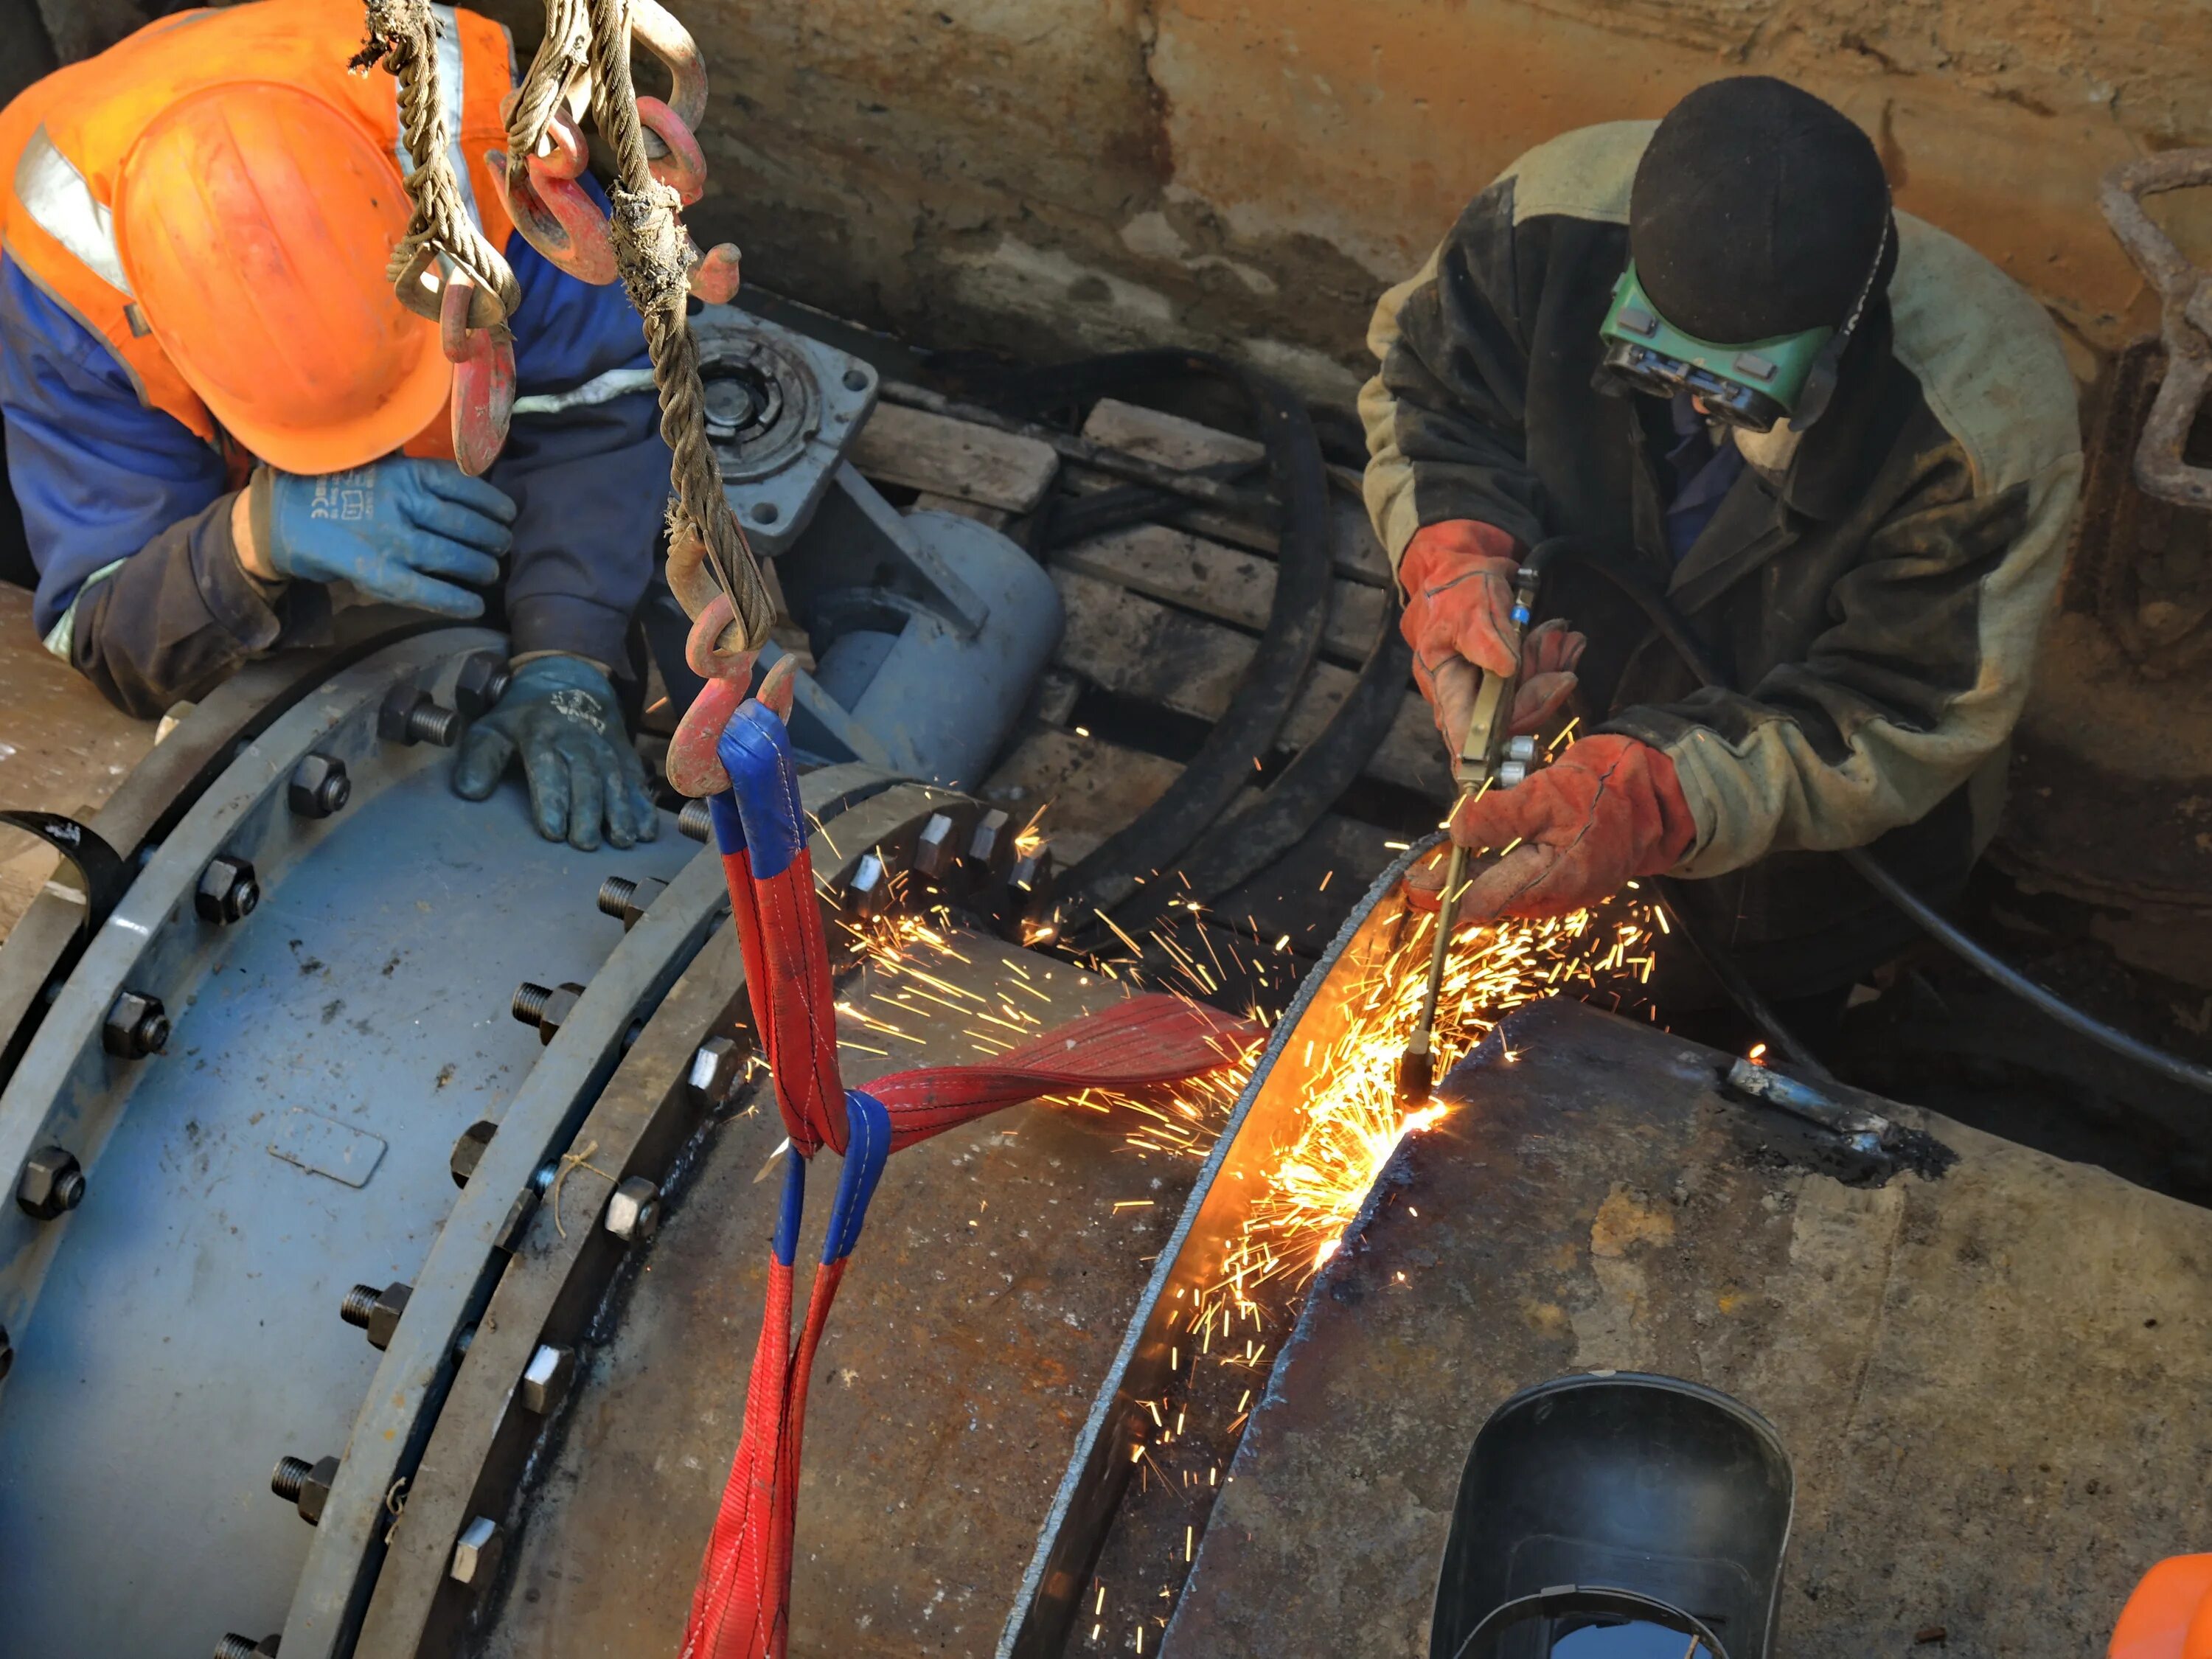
x=2170, y=1614
x=254, y=222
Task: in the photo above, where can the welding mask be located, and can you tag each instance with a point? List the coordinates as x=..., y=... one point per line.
x=1760, y=233
x=1618, y=1516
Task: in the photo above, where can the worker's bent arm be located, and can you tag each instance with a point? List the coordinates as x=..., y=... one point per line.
x=1445, y=413
x=1917, y=683
x=128, y=520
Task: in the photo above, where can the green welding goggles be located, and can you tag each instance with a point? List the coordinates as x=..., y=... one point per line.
x=1752, y=386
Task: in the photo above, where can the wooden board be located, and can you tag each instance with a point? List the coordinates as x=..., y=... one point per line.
x=1174, y=442
x=1141, y=649
x=1089, y=788
x=915, y=449
x=1228, y=583
x=64, y=748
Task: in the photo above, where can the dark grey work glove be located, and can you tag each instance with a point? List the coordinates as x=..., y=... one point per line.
x=560, y=715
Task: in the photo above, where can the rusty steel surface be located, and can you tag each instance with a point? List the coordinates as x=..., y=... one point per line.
x=1984, y=1381
x=1153, y=1359
x=984, y=1303
x=2185, y=319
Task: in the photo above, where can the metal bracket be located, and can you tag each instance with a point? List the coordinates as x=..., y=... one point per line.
x=2185, y=320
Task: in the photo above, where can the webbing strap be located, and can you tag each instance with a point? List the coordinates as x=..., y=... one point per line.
x=740, y=1608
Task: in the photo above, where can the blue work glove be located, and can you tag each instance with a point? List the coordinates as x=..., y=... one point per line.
x=560, y=714
x=420, y=533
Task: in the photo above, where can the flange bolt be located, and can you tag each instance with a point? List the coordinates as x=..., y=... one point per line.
x=696, y=820
x=227, y=891
x=137, y=1026
x=483, y=681
x=235, y=1646
x=52, y=1183
x=304, y=1484
x=412, y=715
x=319, y=787
x=375, y=1311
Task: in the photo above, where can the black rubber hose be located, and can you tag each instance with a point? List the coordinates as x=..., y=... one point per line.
x=1242, y=846
x=1669, y=622
x=1249, y=727
x=1066, y=520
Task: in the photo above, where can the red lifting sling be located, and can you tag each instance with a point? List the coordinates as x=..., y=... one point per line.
x=741, y=1607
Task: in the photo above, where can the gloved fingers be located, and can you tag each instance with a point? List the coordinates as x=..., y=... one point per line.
x=396, y=584
x=1528, y=881
x=547, y=769
x=1494, y=819
x=482, y=761
x=1451, y=697
x=1551, y=648
x=587, y=796
x=430, y=554
x=447, y=481
x=1472, y=615
x=462, y=526
x=1537, y=700
x=644, y=816
x=621, y=807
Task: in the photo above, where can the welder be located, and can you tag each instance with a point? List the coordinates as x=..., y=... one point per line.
x=1836, y=443
x=223, y=428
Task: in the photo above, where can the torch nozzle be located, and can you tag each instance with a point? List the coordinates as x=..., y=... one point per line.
x=1417, y=1078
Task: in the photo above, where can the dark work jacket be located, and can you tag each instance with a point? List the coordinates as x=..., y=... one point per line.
x=1874, y=616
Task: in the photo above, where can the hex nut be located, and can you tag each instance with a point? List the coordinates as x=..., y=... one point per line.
x=548, y=1009
x=375, y=1311
x=227, y=891
x=469, y=1150
x=136, y=1025
x=545, y=1379
x=716, y=1067
x=634, y=1211
x=307, y=1485
x=319, y=787
x=412, y=715
x=992, y=845
x=934, y=847
x=52, y=1182
x=482, y=682
x=476, y=1553
x=868, y=892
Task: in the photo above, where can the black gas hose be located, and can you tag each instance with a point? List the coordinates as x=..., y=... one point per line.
x=1670, y=626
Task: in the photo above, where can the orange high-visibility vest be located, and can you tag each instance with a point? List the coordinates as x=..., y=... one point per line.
x=66, y=139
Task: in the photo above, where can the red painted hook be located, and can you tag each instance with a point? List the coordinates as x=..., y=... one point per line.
x=557, y=217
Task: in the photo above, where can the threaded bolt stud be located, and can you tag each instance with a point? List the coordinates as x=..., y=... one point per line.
x=616, y=893
x=359, y=1305
x=529, y=1000
x=290, y=1478
x=695, y=820
x=428, y=723
x=234, y=1646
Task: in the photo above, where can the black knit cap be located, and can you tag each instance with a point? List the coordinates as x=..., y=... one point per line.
x=1756, y=212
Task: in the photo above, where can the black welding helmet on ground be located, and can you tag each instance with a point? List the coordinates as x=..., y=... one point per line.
x=1760, y=232
x=1616, y=1516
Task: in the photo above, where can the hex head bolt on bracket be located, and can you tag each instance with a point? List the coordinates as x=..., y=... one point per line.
x=227, y=891
x=375, y=1311
x=717, y=1066
x=52, y=1183
x=483, y=681
x=306, y=1485
x=933, y=851
x=627, y=900
x=137, y=1026
x=545, y=1379
x=319, y=787
x=412, y=715
x=634, y=1211
x=544, y=1007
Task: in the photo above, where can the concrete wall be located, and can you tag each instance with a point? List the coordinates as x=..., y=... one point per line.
x=1050, y=174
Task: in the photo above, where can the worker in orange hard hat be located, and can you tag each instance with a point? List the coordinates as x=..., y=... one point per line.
x=222, y=425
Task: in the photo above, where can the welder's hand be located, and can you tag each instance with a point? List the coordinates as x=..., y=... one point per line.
x=560, y=715
x=420, y=533
x=1610, y=809
x=1458, y=578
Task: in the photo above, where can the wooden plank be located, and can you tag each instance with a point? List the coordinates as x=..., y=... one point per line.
x=64, y=748
x=930, y=502
x=917, y=450
x=1089, y=788
x=1174, y=441
x=1134, y=645
x=1223, y=582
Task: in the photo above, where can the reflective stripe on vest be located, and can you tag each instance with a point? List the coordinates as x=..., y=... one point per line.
x=65, y=140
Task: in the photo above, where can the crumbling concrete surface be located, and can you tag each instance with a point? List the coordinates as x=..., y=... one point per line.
x=1046, y=175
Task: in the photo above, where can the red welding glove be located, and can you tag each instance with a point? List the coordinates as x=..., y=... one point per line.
x=1458, y=577
x=1608, y=811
